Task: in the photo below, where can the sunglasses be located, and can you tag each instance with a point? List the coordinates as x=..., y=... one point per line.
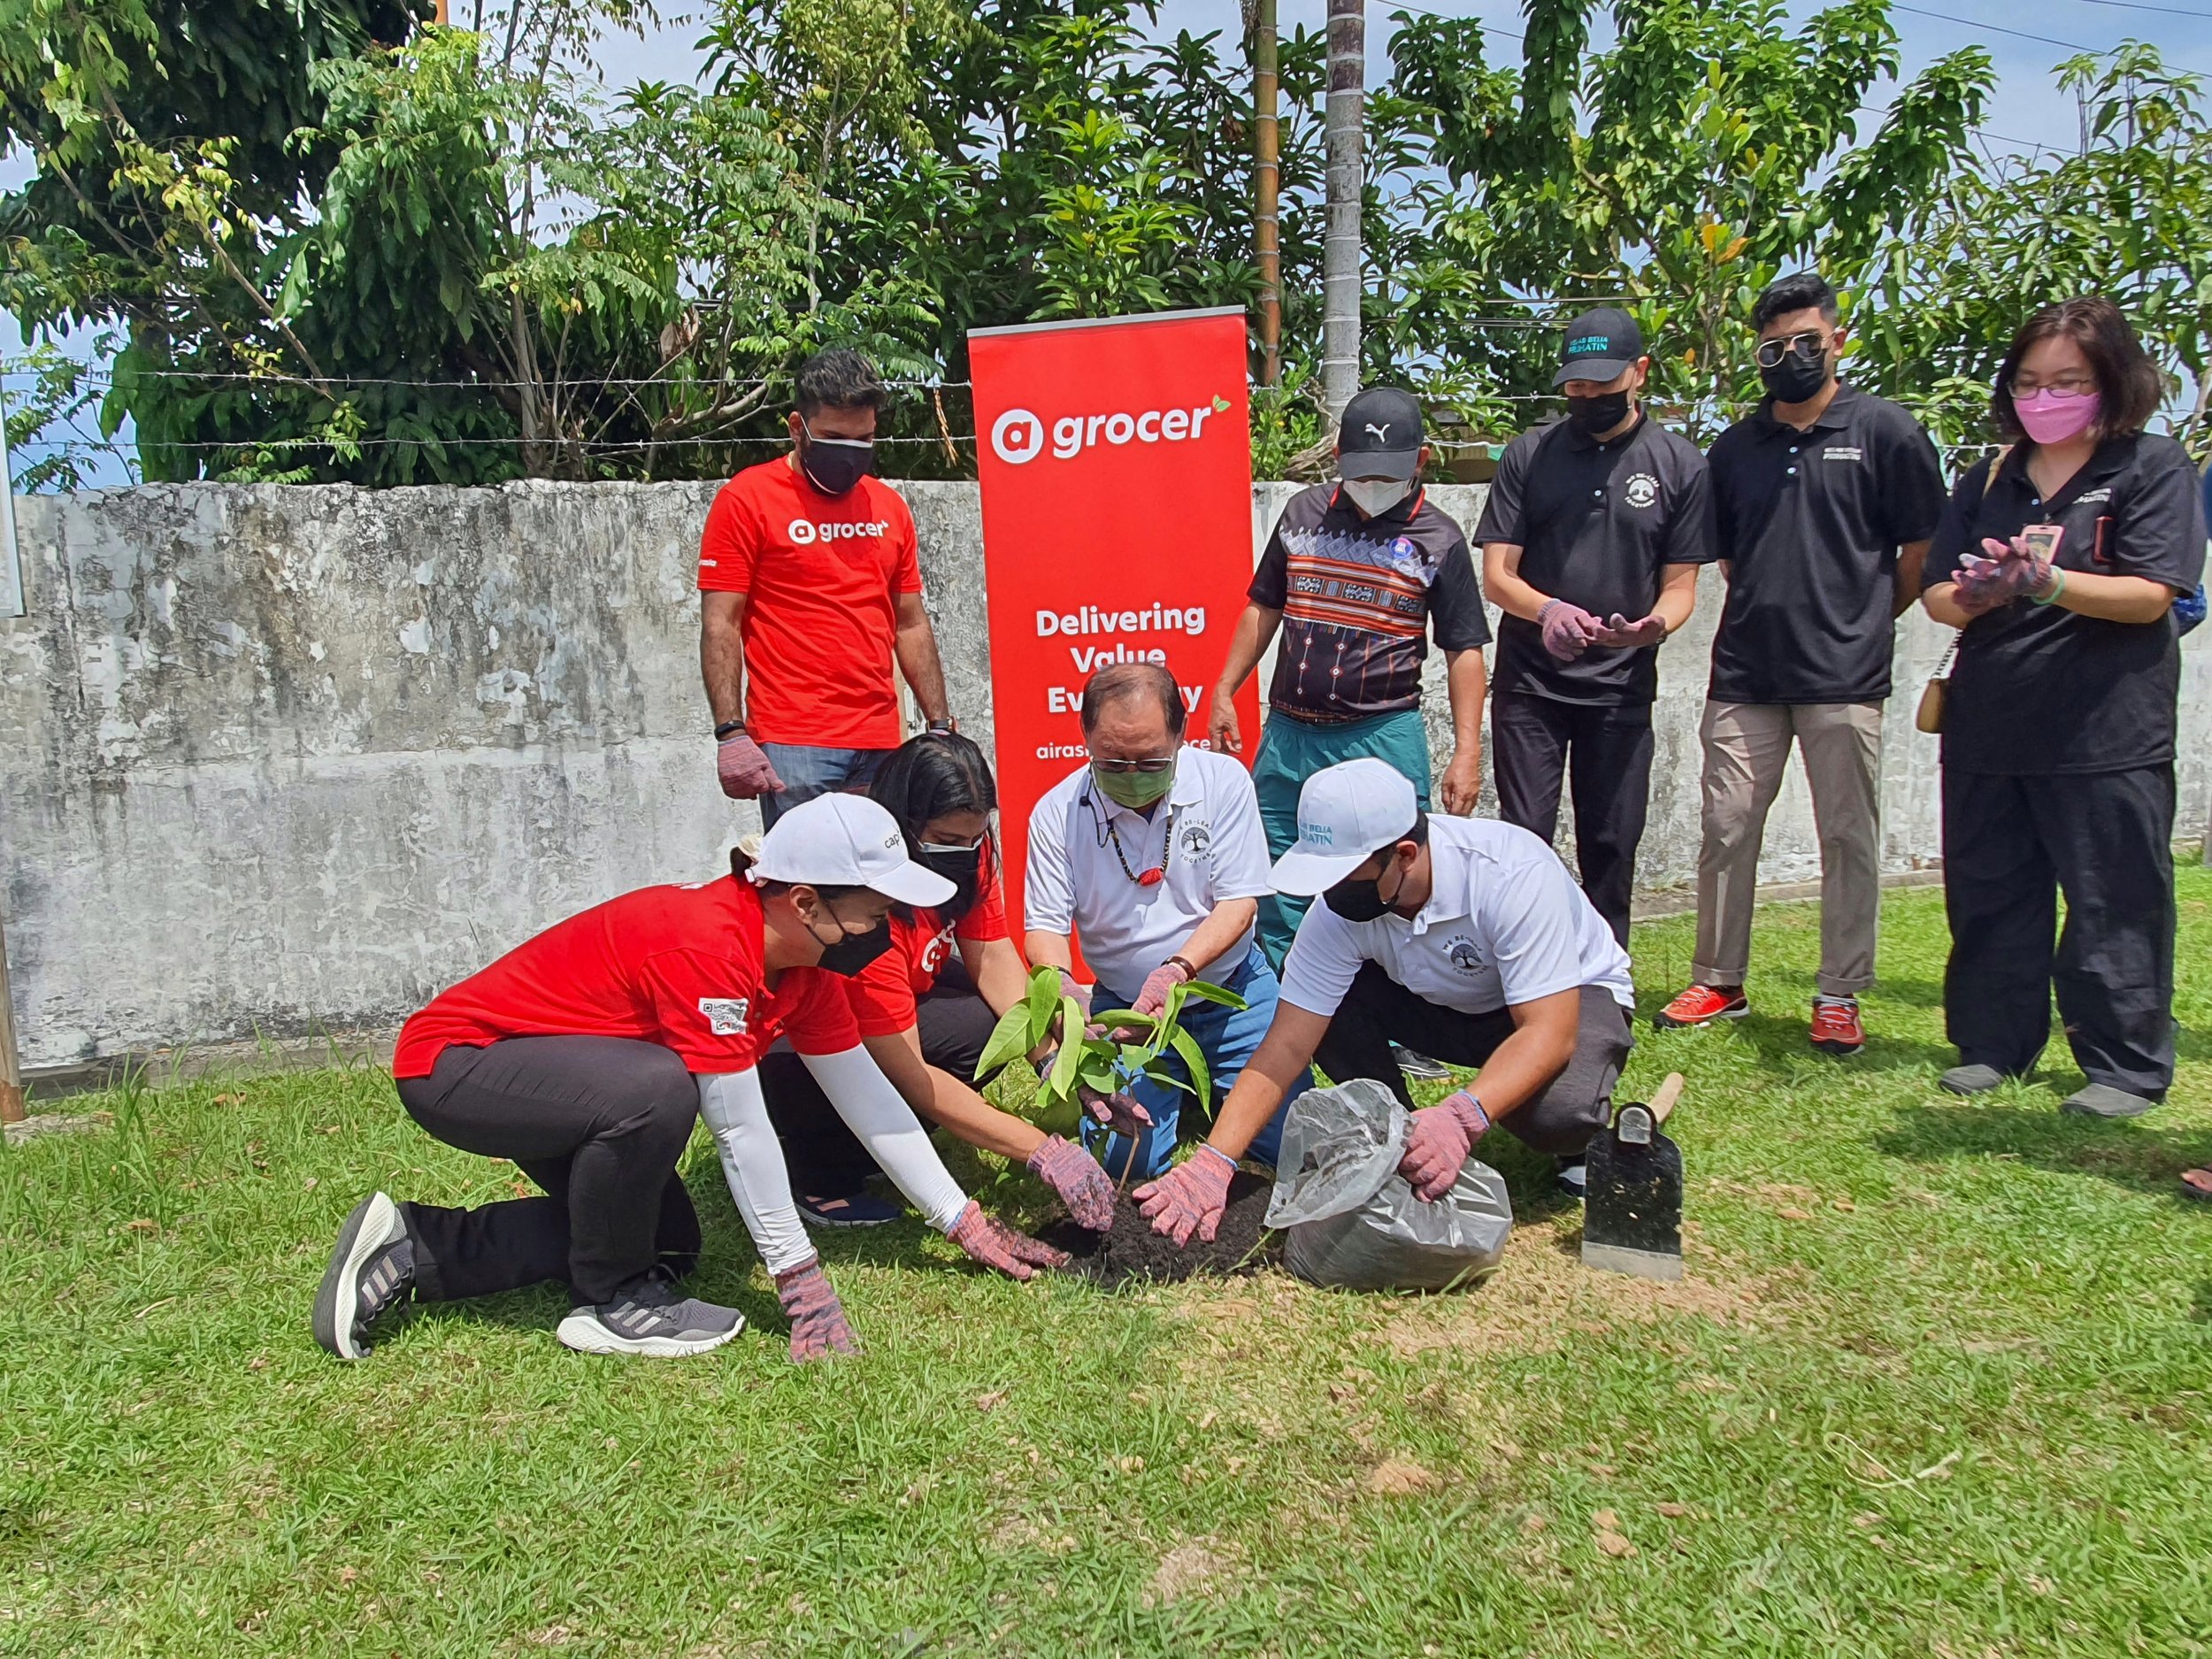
x=954, y=846
x=1808, y=346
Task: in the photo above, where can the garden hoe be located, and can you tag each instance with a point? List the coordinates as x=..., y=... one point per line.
x=1632, y=1218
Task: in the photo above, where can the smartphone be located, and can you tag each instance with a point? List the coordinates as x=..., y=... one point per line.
x=2042, y=540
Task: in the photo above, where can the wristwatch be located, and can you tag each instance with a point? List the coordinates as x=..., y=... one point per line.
x=728, y=728
x=939, y=728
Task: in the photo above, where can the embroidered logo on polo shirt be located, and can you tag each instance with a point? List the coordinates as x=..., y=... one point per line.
x=1198, y=840
x=1642, y=490
x=726, y=1015
x=2088, y=495
x=1843, y=452
x=1462, y=954
x=805, y=532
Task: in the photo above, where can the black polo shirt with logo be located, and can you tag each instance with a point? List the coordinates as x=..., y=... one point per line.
x=2038, y=689
x=1810, y=523
x=1358, y=596
x=1595, y=522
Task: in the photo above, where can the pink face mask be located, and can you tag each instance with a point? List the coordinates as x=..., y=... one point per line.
x=2048, y=417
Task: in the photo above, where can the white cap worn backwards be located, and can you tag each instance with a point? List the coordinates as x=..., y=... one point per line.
x=846, y=840
x=1346, y=813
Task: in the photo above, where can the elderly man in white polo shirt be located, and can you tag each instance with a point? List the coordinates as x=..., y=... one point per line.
x=1466, y=938
x=1154, y=853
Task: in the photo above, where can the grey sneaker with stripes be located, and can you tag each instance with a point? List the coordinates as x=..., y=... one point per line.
x=647, y=1317
x=371, y=1272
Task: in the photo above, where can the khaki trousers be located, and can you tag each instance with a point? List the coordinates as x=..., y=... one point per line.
x=1746, y=748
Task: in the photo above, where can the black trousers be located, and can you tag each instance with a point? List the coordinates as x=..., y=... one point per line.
x=2011, y=845
x=598, y=1123
x=825, y=1159
x=1604, y=756
x=1378, y=1012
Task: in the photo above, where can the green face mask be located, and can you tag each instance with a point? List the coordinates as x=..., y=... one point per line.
x=1137, y=790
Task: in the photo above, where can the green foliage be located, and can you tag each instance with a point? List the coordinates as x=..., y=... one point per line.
x=1106, y=1064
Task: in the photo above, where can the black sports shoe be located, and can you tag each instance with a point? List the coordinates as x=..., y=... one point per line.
x=1570, y=1172
x=1419, y=1066
x=371, y=1272
x=646, y=1316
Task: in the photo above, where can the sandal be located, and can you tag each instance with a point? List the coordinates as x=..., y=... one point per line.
x=2197, y=1184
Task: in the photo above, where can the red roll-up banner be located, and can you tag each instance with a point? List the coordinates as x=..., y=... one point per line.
x=1115, y=461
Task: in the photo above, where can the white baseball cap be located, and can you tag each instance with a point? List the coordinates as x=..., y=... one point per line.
x=1345, y=814
x=847, y=841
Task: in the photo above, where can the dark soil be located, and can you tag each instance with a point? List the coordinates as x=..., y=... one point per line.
x=1132, y=1253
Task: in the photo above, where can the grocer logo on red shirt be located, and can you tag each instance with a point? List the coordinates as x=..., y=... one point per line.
x=1021, y=435
x=806, y=532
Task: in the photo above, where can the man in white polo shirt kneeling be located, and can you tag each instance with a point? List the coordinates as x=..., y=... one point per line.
x=1463, y=938
x=1153, y=855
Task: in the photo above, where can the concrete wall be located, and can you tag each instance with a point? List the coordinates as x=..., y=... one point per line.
x=288, y=759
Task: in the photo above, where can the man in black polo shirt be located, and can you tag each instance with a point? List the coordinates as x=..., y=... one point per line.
x=1355, y=575
x=1591, y=543
x=1824, y=501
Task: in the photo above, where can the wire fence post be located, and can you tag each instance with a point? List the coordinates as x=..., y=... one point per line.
x=11, y=1068
x=11, y=550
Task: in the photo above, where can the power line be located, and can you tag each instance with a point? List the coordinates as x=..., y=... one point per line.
x=2138, y=5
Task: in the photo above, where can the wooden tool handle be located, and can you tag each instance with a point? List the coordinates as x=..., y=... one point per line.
x=1663, y=1098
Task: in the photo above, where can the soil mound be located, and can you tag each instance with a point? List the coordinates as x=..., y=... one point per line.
x=1134, y=1254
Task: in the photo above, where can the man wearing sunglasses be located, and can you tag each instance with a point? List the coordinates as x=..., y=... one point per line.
x=811, y=590
x=1826, y=499
x=1153, y=853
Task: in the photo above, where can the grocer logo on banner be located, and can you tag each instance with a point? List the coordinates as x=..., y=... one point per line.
x=1019, y=434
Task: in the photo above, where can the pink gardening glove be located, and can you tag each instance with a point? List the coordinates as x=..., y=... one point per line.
x=1120, y=1113
x=1622, y=635
x=746, y=773
x=1569, y=630
x=1189, y=1198
x=817, y=1318
x=1157, y=984
x=1438, y=1140
x=994, y=1244
x=1074, y=1174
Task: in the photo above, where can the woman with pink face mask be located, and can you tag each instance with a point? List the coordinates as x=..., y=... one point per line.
x=2059, y=559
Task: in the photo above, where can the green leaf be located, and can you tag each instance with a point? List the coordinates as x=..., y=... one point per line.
x=1043, y=1002
x=1065, y=1066
x=1010, y=1041
x=1207, y=991
x=1194, y=1057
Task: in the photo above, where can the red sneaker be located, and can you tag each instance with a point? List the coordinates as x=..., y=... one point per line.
x=1836, y=1028
x=1702, y=1005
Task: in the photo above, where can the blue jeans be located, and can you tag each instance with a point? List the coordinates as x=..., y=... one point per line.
x=1227, y=1038
x=807, y=772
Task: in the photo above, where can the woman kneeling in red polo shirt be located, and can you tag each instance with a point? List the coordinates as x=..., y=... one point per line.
x=583, y=1055
x=926, y=1007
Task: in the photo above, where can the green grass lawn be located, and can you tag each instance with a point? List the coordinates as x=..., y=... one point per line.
x=1937, y=1385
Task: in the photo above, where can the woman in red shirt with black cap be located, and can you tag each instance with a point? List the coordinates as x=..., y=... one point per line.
x=926, y=1007
x=584, y=1054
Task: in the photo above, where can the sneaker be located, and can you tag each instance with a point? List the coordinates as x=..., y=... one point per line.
x=1702, y=1005
x=1571, y=1173
x=855, y=1210
x=2101, y=1100
x=647, y=1317
x=1419, y=1066
x=1970, y=1079
x=371, y=1272
x=1836, y=1027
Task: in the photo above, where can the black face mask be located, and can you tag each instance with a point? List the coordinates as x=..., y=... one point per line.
x=834, y=465
x=854, y=952
x=1796, y=379
x=1602, y=413
x=1357, y=901
x=963, y=869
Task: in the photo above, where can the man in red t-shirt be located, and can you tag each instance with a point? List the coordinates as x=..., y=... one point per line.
x=810, y=590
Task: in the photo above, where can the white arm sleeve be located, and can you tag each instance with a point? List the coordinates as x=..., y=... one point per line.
x=886, y=1124
x=752, y=1164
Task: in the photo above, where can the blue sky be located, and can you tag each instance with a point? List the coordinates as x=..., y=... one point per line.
x=2026, y=108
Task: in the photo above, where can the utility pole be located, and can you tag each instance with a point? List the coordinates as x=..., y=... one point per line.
x=1267, y=191
x=1341, y=256
x=12, y=602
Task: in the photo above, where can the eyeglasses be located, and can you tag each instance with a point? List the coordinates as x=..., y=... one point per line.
x=2070, y=387
x=954, y=846
x=1120, y=768
x=1810, y=347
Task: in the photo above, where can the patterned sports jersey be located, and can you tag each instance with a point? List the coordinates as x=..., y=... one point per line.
x=1358, y=597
